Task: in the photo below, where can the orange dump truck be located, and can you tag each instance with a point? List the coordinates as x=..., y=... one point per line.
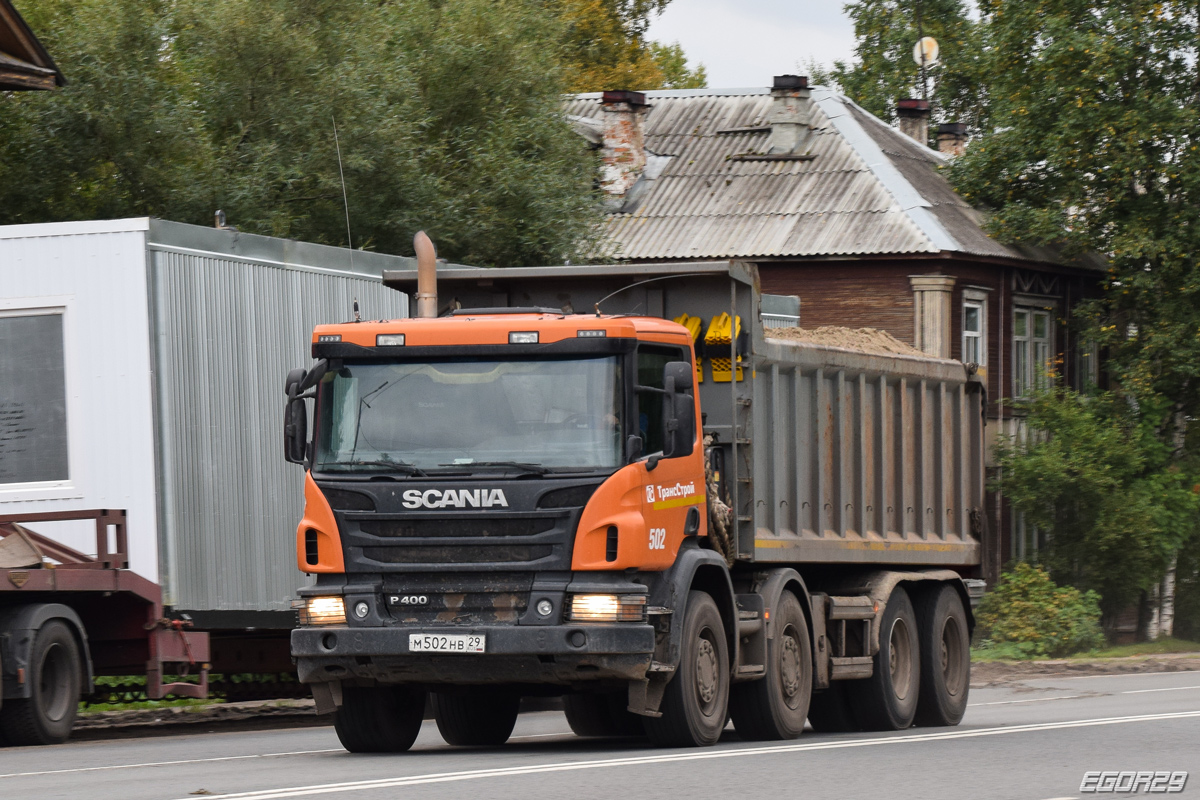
x=611, y=484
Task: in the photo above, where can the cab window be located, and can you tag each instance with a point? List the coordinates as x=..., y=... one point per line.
x=651, y=359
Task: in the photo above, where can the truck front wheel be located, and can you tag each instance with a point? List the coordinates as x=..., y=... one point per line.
x=696, y=701
x=945, y=657
x=602, y=714
x=477, y=716
x=56, y=676
x=887, y=701
x=776, y=706
x=379, y=719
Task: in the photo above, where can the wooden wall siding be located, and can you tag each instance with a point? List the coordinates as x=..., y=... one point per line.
x=847, y=293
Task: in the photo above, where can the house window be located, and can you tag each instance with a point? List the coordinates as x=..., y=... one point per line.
x=1087, y=366
x=33, y=397
x=1032, y=329
x=974, y=332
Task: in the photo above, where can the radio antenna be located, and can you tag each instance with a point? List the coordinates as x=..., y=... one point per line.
x=648, y=280
x=345, y=200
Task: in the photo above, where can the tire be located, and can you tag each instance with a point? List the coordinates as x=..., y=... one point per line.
x=56, y=677
x=945, y=657
x=379, y=719
x=776, y=706
x=830, y=712
x=696, y=701
x=601, y=715
x=476, y=717
x=887, y=701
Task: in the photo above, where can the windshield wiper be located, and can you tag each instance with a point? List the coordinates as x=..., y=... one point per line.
x=533, y=469
x=392, y=466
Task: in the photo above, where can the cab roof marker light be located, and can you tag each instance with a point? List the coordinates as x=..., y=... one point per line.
x=389, y=340
x=591, y=334
x=329, y=337
x=523, y=337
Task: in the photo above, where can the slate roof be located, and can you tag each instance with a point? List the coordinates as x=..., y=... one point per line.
x=869, y=190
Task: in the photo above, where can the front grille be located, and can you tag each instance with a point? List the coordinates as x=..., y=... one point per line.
x=457, y=599
x=437, y=528
x=457, y=554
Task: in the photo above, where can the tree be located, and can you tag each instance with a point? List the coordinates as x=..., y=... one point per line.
x=1093, y=144
x=606, y=48
x=883, y=70
x=448, y=115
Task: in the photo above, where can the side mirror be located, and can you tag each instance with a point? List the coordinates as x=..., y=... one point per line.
x=679, y=410
x=291, y=384
x=295, y=431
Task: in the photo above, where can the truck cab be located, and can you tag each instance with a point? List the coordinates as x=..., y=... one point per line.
x=492, y=499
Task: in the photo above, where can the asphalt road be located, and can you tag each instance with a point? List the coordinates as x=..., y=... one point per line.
x=1033, y=739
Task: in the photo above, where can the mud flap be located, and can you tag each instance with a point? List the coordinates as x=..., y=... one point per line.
x=328, y=696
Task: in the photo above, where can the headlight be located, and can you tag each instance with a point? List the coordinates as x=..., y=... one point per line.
x=323, y=611
x=606, y=608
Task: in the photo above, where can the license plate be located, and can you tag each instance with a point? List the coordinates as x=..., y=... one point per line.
x=446, y=642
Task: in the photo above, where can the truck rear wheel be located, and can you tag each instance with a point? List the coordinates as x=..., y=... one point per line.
x=945, y=657
x=887, y=701
x=776, y=706
x=379, y=719
x=601, y=715
x=56, y=676
x=696, y=700
x=477, y=716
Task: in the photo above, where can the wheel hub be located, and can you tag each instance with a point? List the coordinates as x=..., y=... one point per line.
x=789, y=665
x=706, y=671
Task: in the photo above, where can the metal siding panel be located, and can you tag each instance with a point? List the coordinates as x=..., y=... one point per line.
x=230, y=329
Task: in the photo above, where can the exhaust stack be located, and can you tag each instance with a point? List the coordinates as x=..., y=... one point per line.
x=426, y=275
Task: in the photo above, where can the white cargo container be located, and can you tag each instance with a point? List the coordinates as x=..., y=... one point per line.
x=141, y=367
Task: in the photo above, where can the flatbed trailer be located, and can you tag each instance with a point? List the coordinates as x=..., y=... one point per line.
x=67, y=617
x=799, y=553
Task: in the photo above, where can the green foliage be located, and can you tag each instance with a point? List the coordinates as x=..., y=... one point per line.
x=1096, y=479
x=884, y=71
x=675, y=70
x=1028, y=616
x=448, y=116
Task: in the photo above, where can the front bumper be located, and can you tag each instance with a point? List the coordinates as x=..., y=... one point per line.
x=555, y=654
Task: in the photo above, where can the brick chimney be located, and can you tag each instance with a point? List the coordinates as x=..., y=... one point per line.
x=914, y=119
x=624, y=147
x=952, y=138
x=790, y=117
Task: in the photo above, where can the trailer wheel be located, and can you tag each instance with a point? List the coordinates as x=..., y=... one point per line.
x=945, y=657
x=887, y=701
x=56, y=676
x=476, y=717
x=830, y=712
x=696, y=701
x=776, y=706
x=379, y=719
x=601, y=715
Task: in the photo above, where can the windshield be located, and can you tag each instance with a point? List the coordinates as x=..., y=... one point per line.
x=534, y=414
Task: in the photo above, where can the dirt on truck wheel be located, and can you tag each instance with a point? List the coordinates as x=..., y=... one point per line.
x=887, y=701
x=603, y=714
x=56, y=677
x=776, y=706
x=945, y=657
x=696, y=701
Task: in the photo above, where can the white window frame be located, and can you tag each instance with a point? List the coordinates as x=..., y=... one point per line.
x=1035, y=349
x=69, y=488
x=977, y=299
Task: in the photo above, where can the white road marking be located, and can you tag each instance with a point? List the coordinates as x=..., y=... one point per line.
x=1063, y=798
x=692, y=755
x=167, y=763
x=1030, y=700
x=1060, y=677
x=1168, y=689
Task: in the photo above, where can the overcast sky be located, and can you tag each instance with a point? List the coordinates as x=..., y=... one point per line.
x=746, y=42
